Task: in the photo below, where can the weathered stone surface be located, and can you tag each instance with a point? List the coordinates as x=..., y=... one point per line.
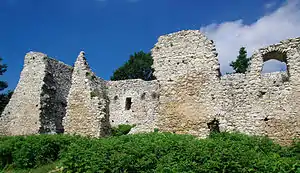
x=186, y=66
x=87, y=110
x=189, y=95
x=39, y=101
x=143, y=95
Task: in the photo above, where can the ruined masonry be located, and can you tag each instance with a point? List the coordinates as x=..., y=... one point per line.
x=188, y=97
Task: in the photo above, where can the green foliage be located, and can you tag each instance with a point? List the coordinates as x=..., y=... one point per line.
x=137, y=67
x=164, y=152
x=152, y=152
x=51, y=167
x=3, y=68
x=122, y=129
x=242, y=62
x=32, y=151
x=4, y=97
x=94, y=94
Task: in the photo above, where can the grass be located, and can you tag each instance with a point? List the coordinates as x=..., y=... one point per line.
x=49, y=168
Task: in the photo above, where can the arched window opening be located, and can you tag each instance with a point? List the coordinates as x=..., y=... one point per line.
x=275, y=62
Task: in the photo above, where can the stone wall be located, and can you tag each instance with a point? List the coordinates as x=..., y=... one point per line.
x=134, y=102
x=193, y=95
x=189, y=95
x=264, y=104
x=186, y=67
x=57, y=83
x=87, y=109
x=39, y=100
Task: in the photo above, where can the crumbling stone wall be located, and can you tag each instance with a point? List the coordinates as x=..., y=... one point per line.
x=134, y=102
x=57, y=83
x=264, y=104
x=189, y=95
x=87, y=109
x=186, y=67
x=39, y=100
x=193, y=95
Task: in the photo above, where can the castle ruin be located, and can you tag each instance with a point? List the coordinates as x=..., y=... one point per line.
x=189, y=95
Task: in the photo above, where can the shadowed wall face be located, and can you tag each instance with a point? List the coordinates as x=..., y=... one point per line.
x=57, y=83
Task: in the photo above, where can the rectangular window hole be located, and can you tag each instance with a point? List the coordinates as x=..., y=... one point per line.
x=128, y=103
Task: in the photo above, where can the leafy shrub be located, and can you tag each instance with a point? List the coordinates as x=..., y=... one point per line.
x=31, y=151
x=295, y=148
x=152, y=152
x=165, y=152
x=122, y=129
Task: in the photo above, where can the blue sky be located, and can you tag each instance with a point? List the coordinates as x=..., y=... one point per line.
x=110, y=30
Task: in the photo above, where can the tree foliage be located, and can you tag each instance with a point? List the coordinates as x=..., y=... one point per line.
x=137, y=67
x=3, y=68
x=4, y=97
x=241, y=64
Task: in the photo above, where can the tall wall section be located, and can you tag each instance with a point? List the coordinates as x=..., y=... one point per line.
x=187, y=69
x=134, y=102
x=39, y=100
x=87, y=109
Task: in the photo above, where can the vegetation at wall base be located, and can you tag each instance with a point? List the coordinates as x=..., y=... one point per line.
x=151, y=152
x=122, y=129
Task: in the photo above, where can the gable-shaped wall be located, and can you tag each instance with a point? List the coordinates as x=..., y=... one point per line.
x=87, y=110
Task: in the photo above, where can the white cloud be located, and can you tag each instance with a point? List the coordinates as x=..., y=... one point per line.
x=270, y=5
x=229, y=36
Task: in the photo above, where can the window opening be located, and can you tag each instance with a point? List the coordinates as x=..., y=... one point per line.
x=275, y=62
x=128, y=103
x=143, y=96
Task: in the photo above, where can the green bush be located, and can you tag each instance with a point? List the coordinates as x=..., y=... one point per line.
x=122, y=129
x=164, y=152
x=32, y=151
x=152, y=152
